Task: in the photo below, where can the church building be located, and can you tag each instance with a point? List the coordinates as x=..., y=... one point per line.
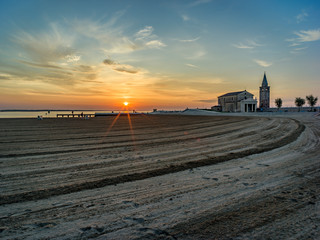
x=237, y=102
x=243, y=101
x=264, y=98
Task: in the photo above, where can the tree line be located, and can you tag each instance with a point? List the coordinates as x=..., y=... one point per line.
x=299, y=102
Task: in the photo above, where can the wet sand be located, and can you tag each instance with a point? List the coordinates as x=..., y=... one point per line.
x=160, y=176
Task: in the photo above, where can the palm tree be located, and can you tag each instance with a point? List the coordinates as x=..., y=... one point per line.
x=278, y=103
x=299, y=102
x=311, y=101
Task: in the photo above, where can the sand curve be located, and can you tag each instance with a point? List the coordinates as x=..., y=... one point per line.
x=79, y=174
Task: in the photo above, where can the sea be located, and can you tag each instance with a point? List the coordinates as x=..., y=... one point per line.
x=49, y=113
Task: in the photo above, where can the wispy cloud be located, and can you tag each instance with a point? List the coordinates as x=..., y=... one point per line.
x=262, y=63
x=298, y=50
x=197, y=54
x=198, y=2
x=52, y=45
x=189, y=40
x=242, y=46
x=185, y=17
x=39, y=65
x=303, y=37
x=145, y=37
x=144, y=33
x=308, y=36
x=105, y=35
x=294, y=44
x=208, y=100
x=112, y=39
x=302, y=16
x=155, y=44
x=50, y=57
x=72, y=58
x=249, y=44
x=5, y=76
x=120, y=67
x=191, y=65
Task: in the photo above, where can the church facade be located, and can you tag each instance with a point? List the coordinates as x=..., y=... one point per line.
x=237, y=102
x=264, y=98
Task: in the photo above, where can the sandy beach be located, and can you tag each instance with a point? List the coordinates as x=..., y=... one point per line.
x=254, y=176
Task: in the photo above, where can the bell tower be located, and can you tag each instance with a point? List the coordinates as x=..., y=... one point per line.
x=264, y=94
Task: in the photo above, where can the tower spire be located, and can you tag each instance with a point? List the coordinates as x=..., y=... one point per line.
x=264, y=81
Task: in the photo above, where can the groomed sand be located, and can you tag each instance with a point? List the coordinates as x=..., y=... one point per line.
x=161, y=177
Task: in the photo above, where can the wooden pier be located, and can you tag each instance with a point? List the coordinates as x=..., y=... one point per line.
x=75, y=115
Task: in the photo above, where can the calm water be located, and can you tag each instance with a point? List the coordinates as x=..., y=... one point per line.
x=45, y=114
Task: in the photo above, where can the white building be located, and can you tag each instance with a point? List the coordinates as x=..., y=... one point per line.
x=238, y=102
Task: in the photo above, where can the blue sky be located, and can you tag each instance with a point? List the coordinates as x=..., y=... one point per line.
x=155, y=54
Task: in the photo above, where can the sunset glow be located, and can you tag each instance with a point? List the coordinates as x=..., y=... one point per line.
x=163, y=54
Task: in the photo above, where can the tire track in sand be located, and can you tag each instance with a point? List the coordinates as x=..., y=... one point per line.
x=175, y=167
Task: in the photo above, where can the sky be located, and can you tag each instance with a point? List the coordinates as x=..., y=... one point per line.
x=169, y=54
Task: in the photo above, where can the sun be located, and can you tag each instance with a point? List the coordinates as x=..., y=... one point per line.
x=125, y=103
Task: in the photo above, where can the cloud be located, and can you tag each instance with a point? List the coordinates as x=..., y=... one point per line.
x=49, y=46
x=120, y=67
x=249, y=44
x=198, y=2
x=83, y=69
x=109, y=62
x=68, y=74
x=302, y=16
x=5, y=76
x=303, y=36
x=208, y=100
x=242, y=46
x=299, y=49
x=185, y=17
x=262, y=63
x=125, y=69
x=308, y=36
x=197, y=54
x=155, y=44
x=104, y=35
x=189, y=40
x=72, y=58
x=145, y=37
x=111, y=38
x=122, y=46
x=39, y=65
x=144, y=33
x=294, y=44
x=191, y=65
x=49, y=57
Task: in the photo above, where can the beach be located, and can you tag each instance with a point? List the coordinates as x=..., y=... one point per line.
x=161, y=176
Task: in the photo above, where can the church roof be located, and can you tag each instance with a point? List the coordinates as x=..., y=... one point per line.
x=264, y=81
x=233, y=93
